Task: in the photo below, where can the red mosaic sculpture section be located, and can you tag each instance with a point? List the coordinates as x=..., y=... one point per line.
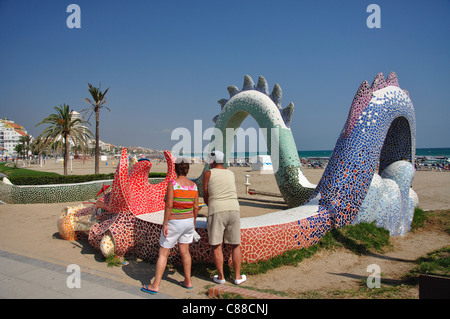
x=257, y=243
x=131, y=195
x=133, y=192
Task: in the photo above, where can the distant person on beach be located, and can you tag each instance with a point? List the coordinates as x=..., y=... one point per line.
x=180, y=213
x=224, y=220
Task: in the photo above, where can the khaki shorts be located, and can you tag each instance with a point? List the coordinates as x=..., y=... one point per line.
x=224, y=227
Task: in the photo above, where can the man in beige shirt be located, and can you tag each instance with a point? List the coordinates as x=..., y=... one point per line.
x=224, y=220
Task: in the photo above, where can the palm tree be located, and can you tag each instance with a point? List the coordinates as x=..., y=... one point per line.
x=99, y=101
x=25, y=141
x=62, y=130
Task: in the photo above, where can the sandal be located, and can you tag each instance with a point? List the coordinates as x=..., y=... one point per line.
x=149, y=291
x=181, y=283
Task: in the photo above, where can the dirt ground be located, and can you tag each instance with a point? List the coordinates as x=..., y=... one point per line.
x=30, y=230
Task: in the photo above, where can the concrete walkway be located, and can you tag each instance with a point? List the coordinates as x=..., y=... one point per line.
x=26, y=278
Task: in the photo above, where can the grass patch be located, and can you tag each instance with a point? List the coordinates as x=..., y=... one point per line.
x=434, y=263
x=114, y=261
x=13, y=171
x=230, y=295
x=362, y=238
x=439, y=219
x=420, y=217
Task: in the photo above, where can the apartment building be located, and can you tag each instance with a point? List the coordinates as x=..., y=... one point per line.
x=10, y=133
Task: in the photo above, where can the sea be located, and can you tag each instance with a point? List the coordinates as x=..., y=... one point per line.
x=429, y=155
x=426, y=155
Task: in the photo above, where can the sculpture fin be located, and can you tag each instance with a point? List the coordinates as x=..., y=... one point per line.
x=248, y=83
x=222, y=103
x=287, y=113
x=232, y=90
x=392, y=79
x=262, y=85
x=360, y=102
x=120, y=197
x=379, y=82
x=407, y=93
x=276, y=95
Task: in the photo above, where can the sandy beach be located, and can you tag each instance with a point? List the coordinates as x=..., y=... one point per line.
x=30, y=230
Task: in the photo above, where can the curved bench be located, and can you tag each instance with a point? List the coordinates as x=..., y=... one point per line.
x=262, y=237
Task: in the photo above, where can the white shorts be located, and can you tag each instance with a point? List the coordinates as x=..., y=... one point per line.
x=179, y=231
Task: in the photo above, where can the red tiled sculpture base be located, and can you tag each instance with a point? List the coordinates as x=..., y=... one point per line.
x=258, y=243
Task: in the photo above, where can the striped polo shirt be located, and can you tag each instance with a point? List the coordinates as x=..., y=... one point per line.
x=183, y=201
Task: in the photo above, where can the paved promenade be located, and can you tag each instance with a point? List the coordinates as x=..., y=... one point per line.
x=26, y=278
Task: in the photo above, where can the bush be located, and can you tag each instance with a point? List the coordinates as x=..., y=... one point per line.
x=65, y=179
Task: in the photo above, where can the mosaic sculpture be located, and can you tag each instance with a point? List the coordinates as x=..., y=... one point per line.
x=265, y=107
x=390, y=201
x=59, y=193
x=110, y=227
x=379, y=132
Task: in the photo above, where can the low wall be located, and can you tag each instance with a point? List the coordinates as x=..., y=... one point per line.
x=262, y=237
x=59, y=193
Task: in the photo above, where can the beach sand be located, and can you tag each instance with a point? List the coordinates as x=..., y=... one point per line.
x=30, y=230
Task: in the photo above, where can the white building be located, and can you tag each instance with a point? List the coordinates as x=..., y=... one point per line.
x=10, y=134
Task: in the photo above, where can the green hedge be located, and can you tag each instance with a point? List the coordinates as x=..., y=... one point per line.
x=66, y=179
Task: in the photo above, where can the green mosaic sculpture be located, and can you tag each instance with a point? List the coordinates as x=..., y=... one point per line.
x=265, y=108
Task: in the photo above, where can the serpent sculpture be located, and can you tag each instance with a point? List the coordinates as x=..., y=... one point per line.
x=379, y=132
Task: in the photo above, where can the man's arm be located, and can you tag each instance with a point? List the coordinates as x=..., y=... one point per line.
x=206, y=177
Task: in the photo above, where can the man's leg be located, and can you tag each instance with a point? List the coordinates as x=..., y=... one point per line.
x=237, y=260
x=218, y=259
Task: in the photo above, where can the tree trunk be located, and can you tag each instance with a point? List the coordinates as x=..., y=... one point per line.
x=97, y=141
x=66, y=154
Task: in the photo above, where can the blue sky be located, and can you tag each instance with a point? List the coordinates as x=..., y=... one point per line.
x=167, y=63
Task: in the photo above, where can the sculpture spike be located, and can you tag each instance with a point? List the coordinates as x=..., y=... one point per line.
x=222, y=102
x=248, y=83
x=262, y=85
x=233, y=90
x=287, y=113
x=276, y=95
x=379, y=82
x=407, y=93
x=392, y=79
x=360, y=102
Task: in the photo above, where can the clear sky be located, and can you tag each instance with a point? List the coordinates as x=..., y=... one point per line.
x=167, y=63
